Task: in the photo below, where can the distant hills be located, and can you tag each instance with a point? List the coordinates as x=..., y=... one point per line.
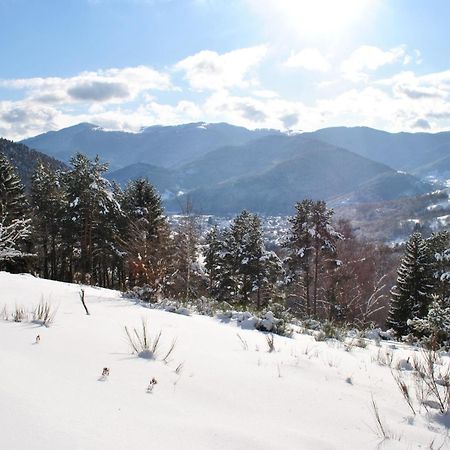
x=409, y=152
x=165, y=146
x=224, y=168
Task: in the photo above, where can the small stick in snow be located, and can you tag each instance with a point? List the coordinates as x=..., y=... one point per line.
x=82, y=301
x=38, y=339
x=151, y=385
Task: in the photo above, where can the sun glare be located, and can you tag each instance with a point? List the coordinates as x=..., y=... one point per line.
x=319, y=16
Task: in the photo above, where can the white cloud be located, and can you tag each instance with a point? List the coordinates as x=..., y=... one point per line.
x=309, y=59
x=369, y=58
x=210, y=71
x=110, y=85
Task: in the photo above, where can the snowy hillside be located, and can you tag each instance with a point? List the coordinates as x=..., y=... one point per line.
x=213, y=393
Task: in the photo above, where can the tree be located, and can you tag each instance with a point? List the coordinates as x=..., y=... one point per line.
x=187, y=241
x=14, y=225
x=48, y=201
x=411, y=296
x=311, y=246
x=90, y=202
x=148, y=241
x=12, y=198
x=238, y=264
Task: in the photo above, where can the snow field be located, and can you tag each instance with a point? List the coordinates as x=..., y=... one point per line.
x=304, y=395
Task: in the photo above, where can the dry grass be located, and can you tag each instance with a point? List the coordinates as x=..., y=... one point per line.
x=146, y=346
x=44, y=313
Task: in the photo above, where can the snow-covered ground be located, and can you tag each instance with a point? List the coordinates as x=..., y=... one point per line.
x=304, y=395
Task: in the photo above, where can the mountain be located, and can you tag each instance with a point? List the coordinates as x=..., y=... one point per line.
x=224, y=168
x=25, y=159
x=163, y=179
x=401, y=151
x=165, y=146
x=294, y=169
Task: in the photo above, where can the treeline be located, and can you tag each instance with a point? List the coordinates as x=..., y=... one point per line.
x=76, y=226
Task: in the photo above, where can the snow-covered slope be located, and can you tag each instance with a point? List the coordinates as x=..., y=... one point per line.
x=305, y=395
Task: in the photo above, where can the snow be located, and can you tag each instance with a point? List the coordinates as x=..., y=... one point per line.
x=303, y=395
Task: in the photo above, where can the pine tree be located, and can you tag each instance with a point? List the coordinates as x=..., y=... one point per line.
x=411, y=296
x=48, y=201
x=149, y=241
x=312, y=238
x=90, y=200
x=238, y=264
x=12, y=198
x=14, y=225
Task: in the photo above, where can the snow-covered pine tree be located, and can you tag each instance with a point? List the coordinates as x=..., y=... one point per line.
x=48, y=201
x=411, y=296
x=149, y=241
x=90, y=202
x=239, y=266
x=14, y=225
x=311, y=239
x=12, y=197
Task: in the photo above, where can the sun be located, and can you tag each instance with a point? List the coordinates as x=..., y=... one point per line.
x=311, y=17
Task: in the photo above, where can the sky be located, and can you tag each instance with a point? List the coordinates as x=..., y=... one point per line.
x=296, y=65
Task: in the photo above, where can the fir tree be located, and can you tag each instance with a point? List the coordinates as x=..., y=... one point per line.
x=411, y=296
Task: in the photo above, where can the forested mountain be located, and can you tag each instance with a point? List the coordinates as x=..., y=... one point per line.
x=164, y=179
x=311, y=170
x=24, y=159
x=401, y=151
x=166, y=146
x=224, y=168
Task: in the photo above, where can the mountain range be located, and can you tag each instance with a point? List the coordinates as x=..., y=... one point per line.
x=224, y=168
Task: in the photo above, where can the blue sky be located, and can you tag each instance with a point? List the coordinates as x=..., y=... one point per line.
x=286, y=64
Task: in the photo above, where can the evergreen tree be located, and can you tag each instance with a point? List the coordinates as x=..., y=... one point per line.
x=14, y=225
x=48, y=201
x=310, y=245
x=12, y=198
x=90, y=202
x=238, y=264
x=411, y=296
x=149, y=241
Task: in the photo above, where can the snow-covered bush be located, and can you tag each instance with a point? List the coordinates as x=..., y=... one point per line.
x=435, y=327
